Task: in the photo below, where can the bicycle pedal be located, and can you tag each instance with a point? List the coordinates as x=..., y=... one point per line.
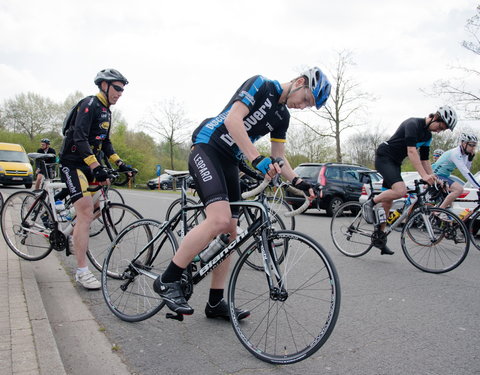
x=176, y=316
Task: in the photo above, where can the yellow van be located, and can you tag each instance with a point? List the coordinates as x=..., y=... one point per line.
x=15, y=169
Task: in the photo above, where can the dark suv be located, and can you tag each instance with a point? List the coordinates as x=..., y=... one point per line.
x=338, y=183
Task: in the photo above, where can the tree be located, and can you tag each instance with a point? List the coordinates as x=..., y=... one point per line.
x=30, y=114
x=463, y=91
x=362, y=146
x=169, y=122
x=346, y=106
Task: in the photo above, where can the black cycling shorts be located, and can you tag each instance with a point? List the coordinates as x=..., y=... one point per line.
x=77, y=181
x=215, y=175
x=390, y=170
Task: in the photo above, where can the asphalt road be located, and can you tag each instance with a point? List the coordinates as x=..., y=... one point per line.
x=394, y=319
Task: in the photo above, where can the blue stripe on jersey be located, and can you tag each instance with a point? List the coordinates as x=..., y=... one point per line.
x=426, y=143
x=208, y=129
x=253, y=90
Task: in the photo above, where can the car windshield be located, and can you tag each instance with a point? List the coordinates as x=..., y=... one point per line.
x=308, y=171
x=13, y=156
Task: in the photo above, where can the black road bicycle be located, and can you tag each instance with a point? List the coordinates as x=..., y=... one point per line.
x=294, y=303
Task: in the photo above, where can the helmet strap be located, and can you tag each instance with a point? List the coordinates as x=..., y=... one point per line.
x=106, y=92
x=290, y=91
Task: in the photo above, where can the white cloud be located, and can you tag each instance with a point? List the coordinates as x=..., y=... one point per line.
x=200, y=52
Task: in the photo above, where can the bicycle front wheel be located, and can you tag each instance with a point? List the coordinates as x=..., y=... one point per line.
x=434, y=240
x=26, y=225
x=292, y=318
x=351, y=234
x=137, y=256
x=115, y=217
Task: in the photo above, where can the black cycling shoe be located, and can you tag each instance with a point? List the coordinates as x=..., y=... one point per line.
x=173, y=296
x=386, y=251
x=220, y=310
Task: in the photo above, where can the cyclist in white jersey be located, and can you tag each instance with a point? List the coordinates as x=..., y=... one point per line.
x=460, y=157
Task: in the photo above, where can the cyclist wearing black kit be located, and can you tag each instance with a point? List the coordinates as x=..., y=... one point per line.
x=412, y=139
x=259, y=107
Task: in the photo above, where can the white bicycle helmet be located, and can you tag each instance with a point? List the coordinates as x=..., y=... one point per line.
x=438, y=152
x=448, y=116
x=319, y=84
x=466, y=137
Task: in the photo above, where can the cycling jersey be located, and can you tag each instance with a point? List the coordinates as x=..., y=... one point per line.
x=90, y=134
x=266, y=115
x=413, y=132
x=451, y=159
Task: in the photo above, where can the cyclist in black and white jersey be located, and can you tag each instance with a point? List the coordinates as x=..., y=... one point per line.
x=460, y=157
x=412, y=139
x=259, y=107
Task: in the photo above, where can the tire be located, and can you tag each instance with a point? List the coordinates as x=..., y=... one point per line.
x=1, y=202
x=474, y=229
x=115, y=196
x=288, y=327
x=128, y=293
x=247, y=216
x=115, y=217
x=26, y=225
x=351, y=234
x=443, y=252
x=333, y=205
x=194, y=217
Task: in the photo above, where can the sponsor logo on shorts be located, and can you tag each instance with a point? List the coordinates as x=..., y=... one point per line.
x=203, y=171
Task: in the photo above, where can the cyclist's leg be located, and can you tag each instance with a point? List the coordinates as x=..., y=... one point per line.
x=77, y=183
x=455, y=191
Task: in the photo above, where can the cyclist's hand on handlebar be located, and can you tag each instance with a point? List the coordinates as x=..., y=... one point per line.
x=128, y=169
x=429, y=179
x=101, y=175
x=267, y=166
x=305, y=186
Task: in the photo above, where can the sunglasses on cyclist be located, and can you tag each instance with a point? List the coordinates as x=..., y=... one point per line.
x=118, y=88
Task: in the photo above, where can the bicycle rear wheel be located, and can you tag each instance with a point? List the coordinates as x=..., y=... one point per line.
x=115, y=217
x=26, y=225
x=142, y=246
x=434, y=240
x=293, y=318
x=474, y=229
x=351, y=234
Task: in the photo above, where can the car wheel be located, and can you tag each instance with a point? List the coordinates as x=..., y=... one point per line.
x=164, y=186
x=333, y=205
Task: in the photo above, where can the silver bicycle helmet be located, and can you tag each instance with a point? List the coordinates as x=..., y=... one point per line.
x=110, y=75
x=448, y=116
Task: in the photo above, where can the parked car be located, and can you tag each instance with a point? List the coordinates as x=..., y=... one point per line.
x=15, y=168
x=337, y=183
x=166, y=182
x=469, y=194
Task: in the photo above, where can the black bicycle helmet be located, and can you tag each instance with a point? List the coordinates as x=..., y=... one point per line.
x=110, y=75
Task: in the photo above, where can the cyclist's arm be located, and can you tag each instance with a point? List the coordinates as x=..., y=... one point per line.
x=236, y=129
x=464, y=169
x=419, y=164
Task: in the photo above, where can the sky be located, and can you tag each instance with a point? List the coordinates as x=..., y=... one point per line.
x=199, y=52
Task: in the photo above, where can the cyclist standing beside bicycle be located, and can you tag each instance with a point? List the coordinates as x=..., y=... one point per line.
x=412, y=139
x=87, y=135
x=460, y=157
x=41, y=168
x=259, y=107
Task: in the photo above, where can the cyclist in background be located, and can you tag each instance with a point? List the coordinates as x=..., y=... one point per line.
x=412, y=139
x=41, y=168
x=87, y=136
x=259, y=107
x=436, y=154
x=460, y=157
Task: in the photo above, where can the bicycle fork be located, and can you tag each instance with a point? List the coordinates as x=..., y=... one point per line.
x=278, y=291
